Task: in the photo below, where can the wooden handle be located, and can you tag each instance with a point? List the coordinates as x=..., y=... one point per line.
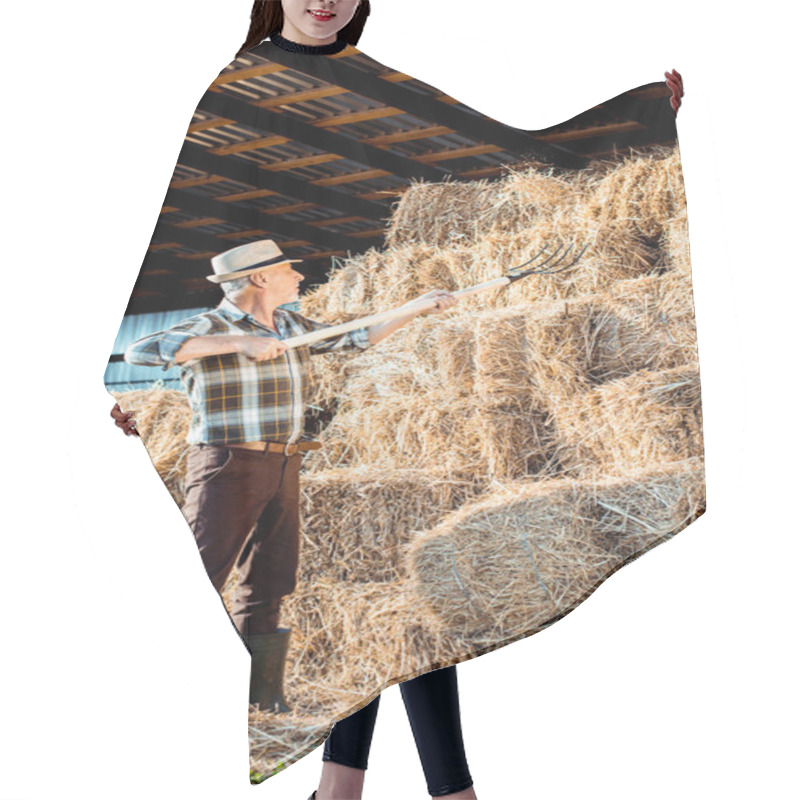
x=383, y=316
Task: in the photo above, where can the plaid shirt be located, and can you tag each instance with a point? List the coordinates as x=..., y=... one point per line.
x=233, y=398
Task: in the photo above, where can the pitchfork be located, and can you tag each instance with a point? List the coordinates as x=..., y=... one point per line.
x=516, y=273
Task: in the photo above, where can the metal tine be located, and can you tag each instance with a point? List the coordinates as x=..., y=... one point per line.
x=567, y=266
x=516, y=270
x=548, y=260
x=550, y=270
x=517, y=273
x=556, y=263
x=572, y=263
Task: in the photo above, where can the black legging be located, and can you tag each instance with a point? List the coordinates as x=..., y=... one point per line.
x=431, y=701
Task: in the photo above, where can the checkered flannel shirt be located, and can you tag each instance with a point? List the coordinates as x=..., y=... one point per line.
x=233, y=398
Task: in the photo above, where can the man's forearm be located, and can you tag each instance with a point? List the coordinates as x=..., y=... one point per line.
x=380, y=330
x=201, y=346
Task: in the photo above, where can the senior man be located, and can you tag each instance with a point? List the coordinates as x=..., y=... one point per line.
x=248, y=393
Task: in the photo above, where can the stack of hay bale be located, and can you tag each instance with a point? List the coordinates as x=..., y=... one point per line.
x=487, y=468
x=582, y=385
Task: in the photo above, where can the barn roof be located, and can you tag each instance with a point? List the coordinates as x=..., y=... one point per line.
x=315, y=161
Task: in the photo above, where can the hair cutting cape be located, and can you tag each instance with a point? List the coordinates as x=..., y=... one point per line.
x=483, y=469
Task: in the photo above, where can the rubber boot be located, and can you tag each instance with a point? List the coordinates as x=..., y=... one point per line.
x=268, y=657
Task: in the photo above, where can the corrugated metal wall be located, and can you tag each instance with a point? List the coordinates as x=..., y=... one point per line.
x=122, y=377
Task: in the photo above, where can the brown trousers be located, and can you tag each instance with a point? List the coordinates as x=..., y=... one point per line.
x=243, y=507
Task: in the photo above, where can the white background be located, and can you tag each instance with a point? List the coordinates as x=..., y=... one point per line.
x=122, y=676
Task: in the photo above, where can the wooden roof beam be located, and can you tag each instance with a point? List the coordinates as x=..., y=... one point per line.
x=249, y=173
x=300, y=97
x=253, y=218
x=265, y=119
x=459, y=152
x=409, y=136
x=611, y=129
x=394, y=94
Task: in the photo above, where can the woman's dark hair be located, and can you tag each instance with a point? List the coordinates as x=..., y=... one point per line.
x=266, y=18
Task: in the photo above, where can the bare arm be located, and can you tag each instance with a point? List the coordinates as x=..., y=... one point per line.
x=261, y=349
x=255, y=347
x=201, y=346
x=380, y=330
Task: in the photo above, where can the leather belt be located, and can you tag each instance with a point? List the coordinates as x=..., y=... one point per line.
x=279, y=447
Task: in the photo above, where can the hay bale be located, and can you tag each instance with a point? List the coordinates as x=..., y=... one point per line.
x=532, y=362
x=404, y=364
x=452, y=342
x=162, y=419
x=375, y=281
x=400, y=403
x=554, y=349
x=455, y=214
x=347, y=292
x=453, y=235
x=675, y=243
x=641, y=194
x=402, y=274
x=348, y=639
x=473, y=393
x=559, y=347
x=279, y=740
x=663, y=306
x=518, y=440
x=508, y=562
x=532, y=353
x=503, y=223
x=348, y=642
x=613, y=254
x=329, y=373
x=642, y=420
x=434, y=429
x=434, y=352
x=398, y=408
x=524, y=556
x=557, y=540
x=441, y=214
x=631, y=516
x=410, y=271
x=356, y=523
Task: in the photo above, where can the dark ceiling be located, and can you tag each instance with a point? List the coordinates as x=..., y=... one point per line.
x=315, y=161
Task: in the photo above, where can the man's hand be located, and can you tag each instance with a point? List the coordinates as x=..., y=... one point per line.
x=444, y=300
x=124, y=420
x=675, y=83
x=260, y=348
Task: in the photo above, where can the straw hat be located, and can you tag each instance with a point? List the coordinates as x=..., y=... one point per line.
x=246, y=259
